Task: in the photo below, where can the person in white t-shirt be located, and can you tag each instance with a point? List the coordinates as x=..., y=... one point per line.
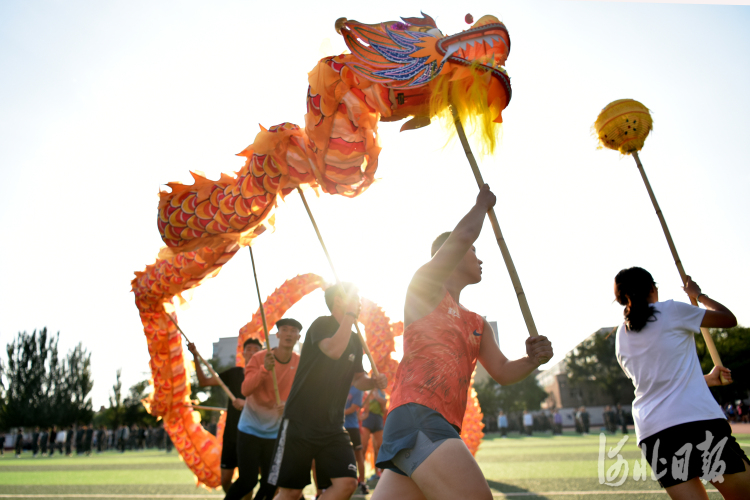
x=678, y=423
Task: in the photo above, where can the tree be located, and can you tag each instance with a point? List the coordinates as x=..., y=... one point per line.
x=594, y=361
x=733, y=345
x=41, y=390
x=78, y=384
x=524, y=395
x=28, y=379
x=113, y=416
x=135, y=412
x=128, y=410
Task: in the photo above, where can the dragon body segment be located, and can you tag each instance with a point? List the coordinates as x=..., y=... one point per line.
x=396, y=70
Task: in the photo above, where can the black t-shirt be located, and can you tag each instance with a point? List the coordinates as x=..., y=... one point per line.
x=321, y=385
x=233, y=379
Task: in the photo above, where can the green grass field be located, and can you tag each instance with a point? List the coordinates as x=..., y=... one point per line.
x=560, y=468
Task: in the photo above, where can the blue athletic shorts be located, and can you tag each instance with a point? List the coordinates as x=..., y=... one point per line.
x=412, y=432
x=373, y=422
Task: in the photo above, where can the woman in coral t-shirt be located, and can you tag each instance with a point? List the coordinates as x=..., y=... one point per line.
x=422, y=451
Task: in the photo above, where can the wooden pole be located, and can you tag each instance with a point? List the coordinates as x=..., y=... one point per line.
x=200, y=358
x=265, y=328
x=706, y=335
x=525, y=310
x=209, y=408
x=338, y=281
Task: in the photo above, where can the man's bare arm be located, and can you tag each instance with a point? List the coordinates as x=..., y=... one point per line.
x=334, y=347
x=506, y=372
x=203, y=381
x=427, y=284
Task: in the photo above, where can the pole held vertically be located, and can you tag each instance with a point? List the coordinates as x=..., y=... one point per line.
x=520, y=295
x=265, y=327
x=338, y=281
x=683, y=276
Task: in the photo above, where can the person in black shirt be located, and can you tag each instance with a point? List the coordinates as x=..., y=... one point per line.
x=88, y=438
x=80, y=434
x=35, y=442
x=52, y=440
x=232, y=378
x=68, y=441
x=312, y=427
x=43, y=440
x=19, y=442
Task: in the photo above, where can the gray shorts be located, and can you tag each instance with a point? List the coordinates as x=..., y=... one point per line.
x=412, y=432
x=410, y=458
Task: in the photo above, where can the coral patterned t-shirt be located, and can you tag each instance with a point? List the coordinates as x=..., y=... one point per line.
x=440, y=353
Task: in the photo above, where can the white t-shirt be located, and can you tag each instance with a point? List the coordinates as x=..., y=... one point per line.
x=662, y=362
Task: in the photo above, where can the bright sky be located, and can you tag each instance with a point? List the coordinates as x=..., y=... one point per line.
x=104, y=102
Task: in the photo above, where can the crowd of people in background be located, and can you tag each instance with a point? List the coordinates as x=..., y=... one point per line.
x=528, y=422
x=738, y=412
x=86, y=439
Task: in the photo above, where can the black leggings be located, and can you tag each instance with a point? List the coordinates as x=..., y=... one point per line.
x=252, y=453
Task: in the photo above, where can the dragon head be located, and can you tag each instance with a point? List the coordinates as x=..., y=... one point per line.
x=429, y=74
x=485, y=44
x=412, y=52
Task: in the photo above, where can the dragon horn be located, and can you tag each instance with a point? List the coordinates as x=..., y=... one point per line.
x=340, y=24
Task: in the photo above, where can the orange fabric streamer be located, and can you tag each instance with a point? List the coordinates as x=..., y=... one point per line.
x=472, y=427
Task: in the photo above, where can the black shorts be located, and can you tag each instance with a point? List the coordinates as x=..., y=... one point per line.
x=355, y=437
x=675, y=443
x=229, y=451
x=298, y=445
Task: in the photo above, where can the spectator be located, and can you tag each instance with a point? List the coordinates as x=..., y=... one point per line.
x=502, y=424
x=43, y=441
x=585, y=420
x=622, y=418
x=80, y=435
x=69, y=441
x=557, y=417
x=19, y=442
x=35, y=442
x=88, y=438
x=528, y=422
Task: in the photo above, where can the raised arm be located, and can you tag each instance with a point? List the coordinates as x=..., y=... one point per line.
x=717, y=316
x=203, y=381
x=505, y=372
x=426, y=287
x=334, y=346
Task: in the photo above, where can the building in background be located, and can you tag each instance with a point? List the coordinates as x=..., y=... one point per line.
x=567, y=396
x=225, y=350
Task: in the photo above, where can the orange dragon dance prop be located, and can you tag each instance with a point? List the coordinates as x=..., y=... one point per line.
x=396, y=70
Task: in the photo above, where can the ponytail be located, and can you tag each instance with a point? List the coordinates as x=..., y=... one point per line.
x=632, y=289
